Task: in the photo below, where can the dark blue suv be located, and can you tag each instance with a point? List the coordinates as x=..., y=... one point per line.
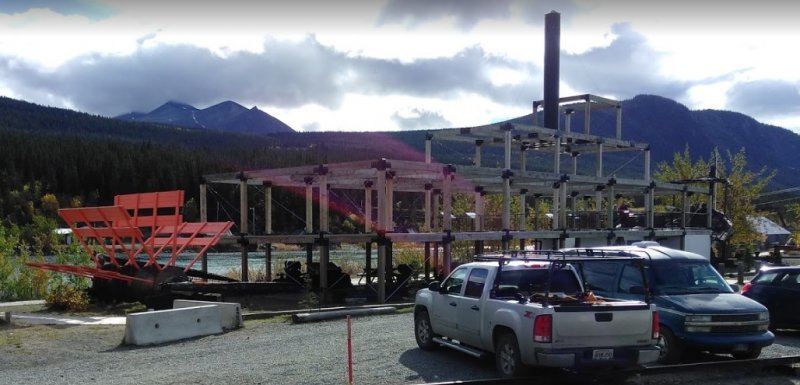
x=698, y=310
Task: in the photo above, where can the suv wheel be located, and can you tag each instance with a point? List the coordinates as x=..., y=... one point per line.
x=671, y=349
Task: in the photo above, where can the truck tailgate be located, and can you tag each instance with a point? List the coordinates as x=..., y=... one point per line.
x=607, y=324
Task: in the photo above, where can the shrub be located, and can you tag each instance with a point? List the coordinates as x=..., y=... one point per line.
x=67, y=297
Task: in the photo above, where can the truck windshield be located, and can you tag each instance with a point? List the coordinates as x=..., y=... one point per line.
x=680, y=277
x=535, y=281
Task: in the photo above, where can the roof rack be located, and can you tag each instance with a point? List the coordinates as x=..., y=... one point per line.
x=560, y=258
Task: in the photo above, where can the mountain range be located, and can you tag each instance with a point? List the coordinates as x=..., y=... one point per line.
x=668, y=126
x=227, y=116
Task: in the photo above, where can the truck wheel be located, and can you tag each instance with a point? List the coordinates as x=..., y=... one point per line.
x=423, y=331
x=671, y=349
x=507, y=356
x=748, y=355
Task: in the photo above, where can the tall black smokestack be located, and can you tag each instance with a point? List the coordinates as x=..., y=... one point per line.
x=552, y=50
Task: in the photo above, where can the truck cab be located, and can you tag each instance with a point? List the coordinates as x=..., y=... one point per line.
x=698, y=310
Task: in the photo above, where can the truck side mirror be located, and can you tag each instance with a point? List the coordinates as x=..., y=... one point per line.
x=734, y=287
x=434, y=286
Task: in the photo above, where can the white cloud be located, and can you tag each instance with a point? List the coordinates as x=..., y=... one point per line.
x=464, y=62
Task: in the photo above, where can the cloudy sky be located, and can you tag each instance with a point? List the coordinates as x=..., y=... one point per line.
x=360, y=65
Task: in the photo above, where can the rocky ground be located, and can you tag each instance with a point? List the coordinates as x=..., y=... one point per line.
x=277, y=351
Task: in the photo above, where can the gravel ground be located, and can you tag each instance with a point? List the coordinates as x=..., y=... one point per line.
x=278, y=352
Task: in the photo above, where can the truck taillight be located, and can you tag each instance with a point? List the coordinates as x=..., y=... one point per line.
x=655, y=325
x=543, y=328
x=746, y=287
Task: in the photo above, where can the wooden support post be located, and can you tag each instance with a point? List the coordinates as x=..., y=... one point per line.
x=447, y=197
x=506, y=199
x=523, y=160
x=507, y=144
x=436, y=268
x=479, y=206
x=557, y=155
x=368, y=262
x=447, y=255
x=389, y=203
x=523, y=220
x=309, y=256
x=619, y=122
x=309, y=205
x=556, y=205
x=268, y=262
x=382, y=270
x=203, y=202
x=575, y=155
x=598, y=195
x=437, y=224
x=243, y=229
x=563, y=204
x=267, y=207
x=611, y=203
x=380, y=187
x=243, y=221
x=324, y=257
x=428, y=197
x=322, y=185
x=368, y=206
x=684, y=207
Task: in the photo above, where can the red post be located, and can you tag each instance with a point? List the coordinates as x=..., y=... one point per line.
x=349, y=351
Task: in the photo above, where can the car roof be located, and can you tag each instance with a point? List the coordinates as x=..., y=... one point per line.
x=652, y=251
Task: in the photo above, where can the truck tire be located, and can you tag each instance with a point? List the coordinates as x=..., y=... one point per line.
x=671, y=348
x=507, y=356
x=423, y=331
x=748, y=355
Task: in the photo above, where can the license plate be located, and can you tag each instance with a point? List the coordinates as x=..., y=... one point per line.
x=602, y=354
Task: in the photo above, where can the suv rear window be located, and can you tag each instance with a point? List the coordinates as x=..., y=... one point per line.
x=535, y=281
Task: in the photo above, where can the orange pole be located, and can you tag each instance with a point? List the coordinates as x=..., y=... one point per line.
x=349, y=351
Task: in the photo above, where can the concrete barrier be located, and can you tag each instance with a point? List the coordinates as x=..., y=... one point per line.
x=155, y=327
x=230, y=313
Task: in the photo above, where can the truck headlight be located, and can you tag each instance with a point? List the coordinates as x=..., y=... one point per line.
x=763, y=316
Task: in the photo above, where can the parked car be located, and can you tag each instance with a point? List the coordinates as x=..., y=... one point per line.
x=698, y=310
x=533, y=312
x=777, y=288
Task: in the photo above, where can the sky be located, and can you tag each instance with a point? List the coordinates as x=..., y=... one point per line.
x=387, y=65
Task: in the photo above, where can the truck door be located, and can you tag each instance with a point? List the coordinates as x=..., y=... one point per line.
x=445, y=303
x=469, y=311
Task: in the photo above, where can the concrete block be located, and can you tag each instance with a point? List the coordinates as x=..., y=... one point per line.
x=5, y=317
x=230, y=313
x=155, y=327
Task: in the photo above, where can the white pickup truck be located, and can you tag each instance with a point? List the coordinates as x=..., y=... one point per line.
x=534, y=312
